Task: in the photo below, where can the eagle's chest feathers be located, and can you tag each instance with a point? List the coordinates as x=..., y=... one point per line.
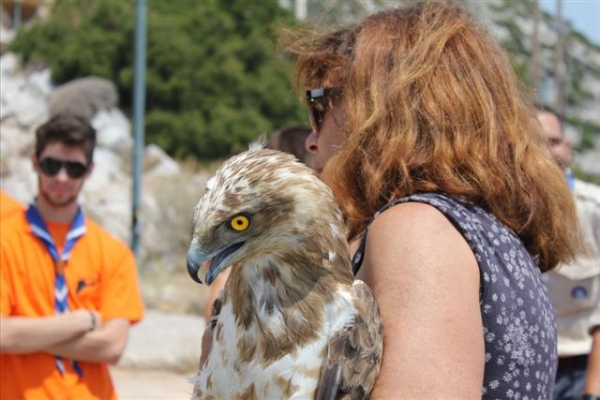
x=271, y=358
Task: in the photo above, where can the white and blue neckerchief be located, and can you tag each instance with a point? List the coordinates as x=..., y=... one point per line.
x=570, y=177
x=61, y=290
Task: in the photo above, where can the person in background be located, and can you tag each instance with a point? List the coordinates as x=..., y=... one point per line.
x=450, y=199
x=68, y=289
x=8, y=206
x=291, y=140
x=575, y=287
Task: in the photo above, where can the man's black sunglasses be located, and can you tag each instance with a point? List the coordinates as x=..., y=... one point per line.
x=318, y=104
x=51, y=166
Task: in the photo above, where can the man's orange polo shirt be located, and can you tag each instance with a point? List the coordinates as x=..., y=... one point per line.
x=101, y=275
x=8, y=205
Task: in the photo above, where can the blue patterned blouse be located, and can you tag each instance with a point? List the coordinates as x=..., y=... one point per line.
x=518, y=319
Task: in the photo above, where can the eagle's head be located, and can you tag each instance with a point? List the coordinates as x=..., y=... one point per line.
x=260, y=205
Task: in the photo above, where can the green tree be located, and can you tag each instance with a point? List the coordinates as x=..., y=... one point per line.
x=214, y=78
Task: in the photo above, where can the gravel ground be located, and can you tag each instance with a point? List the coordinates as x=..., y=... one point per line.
x=151, y=384
x=161, y=356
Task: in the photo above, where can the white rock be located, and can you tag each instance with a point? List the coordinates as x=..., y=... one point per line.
x=107, y=166
x=30, y=109
x=40, y=82
x=109, y=204
x=21, y=182
x=11, y=87
x=9, y=62
x=157, y=163
x=113, y=129
x=16, y=141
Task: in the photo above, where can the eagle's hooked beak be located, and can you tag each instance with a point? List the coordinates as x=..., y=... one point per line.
x=216, y=261
x=193, y=266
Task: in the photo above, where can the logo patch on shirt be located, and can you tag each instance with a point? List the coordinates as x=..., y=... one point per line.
x=579, y=292
x=83, y=284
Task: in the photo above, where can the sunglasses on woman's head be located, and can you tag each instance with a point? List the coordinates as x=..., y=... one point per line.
x=51, y=166
x=318, y=104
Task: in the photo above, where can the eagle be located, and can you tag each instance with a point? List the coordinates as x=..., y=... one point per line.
x=292, y=321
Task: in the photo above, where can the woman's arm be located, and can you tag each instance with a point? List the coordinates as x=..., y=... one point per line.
x=426, y=281
x=215, y=288
x=213, y=294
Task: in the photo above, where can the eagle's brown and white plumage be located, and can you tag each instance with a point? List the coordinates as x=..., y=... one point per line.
x=293, y=323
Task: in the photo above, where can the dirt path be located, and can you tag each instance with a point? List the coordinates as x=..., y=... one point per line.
x=158, y=350
x=151, y=384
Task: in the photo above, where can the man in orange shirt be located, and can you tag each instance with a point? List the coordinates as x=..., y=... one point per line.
x=68, y=289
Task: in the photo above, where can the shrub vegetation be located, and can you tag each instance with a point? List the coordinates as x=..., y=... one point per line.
x=214, y=80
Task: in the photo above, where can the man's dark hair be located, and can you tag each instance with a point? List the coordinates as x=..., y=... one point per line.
x=70, y=130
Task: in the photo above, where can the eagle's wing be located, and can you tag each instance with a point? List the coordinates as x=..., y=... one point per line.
x=354, y=352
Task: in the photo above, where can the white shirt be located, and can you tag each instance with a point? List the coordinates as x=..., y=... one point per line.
x=575, y=288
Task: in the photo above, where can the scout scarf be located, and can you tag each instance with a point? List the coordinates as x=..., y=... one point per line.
x=61, y=290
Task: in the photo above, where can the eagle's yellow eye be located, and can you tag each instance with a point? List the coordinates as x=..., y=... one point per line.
x=239, y=223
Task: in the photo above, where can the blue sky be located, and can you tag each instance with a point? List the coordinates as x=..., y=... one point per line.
x=583, y=14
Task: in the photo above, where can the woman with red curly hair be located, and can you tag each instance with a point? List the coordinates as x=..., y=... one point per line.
x=451, y=201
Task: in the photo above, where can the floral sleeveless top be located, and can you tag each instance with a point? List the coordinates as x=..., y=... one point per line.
x=518, y=320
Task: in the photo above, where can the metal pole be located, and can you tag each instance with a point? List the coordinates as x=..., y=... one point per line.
x=559, y=55
x=17, y=15
x=300, y=9
x=139, y=97
x=535, y=68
